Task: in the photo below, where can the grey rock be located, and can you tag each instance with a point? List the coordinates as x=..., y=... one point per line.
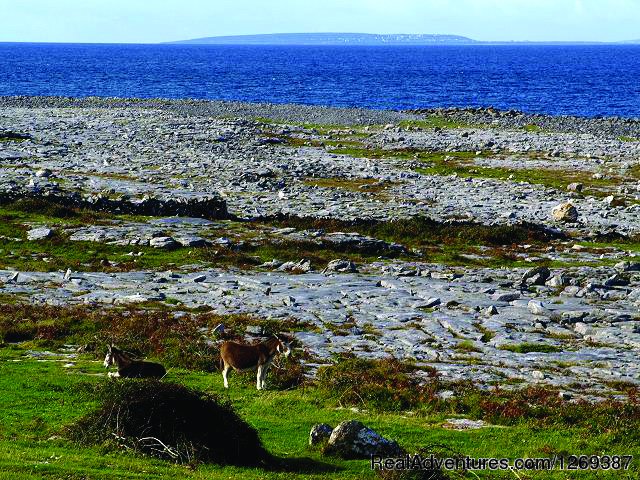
x=353, y=440
x=342, y=266
x=491, y=310
x=565, y=212
x=319, y=434
x=506, y=297
x=536, y=307
x=192, y=241
x=41, y=233
x=432, y=302
x=163, y=242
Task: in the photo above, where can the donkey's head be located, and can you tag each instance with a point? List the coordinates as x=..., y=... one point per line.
x=108, y=359
x=284, y=345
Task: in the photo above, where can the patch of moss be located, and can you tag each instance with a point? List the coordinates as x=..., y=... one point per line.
x=532, y=127
x=433, y=121
x=367, y=185
x=531, y=347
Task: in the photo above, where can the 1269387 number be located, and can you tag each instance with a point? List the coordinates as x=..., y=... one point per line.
x=598, y=462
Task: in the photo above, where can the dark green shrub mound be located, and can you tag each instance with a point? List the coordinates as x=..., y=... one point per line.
x=170, y=421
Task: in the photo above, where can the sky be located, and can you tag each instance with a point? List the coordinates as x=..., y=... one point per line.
x=152, y=21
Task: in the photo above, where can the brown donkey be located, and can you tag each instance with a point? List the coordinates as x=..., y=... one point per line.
x=243, y=357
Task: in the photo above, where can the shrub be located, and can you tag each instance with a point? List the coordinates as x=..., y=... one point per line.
x=169, y=421
x=382, y=384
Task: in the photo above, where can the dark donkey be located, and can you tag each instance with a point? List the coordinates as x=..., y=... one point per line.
x=130, y=368
x=242, y=357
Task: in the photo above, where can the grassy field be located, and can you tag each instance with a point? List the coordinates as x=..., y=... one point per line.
x=43, y=395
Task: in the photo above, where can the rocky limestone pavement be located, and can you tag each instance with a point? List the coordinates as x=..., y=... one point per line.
x=195, y=166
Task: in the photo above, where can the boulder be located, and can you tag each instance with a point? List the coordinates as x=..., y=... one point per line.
x=353, y=440
x=341, y=266
x=536, y=307
x=536, y=276
x=192, y=241
x=163, y=242
x=565, y=212
x=506, y=297
x=303, y=266
x=320, y=433
x=575, y=187
x=559, y=280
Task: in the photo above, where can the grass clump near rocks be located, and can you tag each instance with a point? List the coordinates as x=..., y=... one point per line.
x=531, y=348
x=423, y=232
x=385, y=384
x=169, y=421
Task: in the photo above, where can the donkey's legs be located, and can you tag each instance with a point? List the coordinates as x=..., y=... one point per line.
x=259, y=378
x=263, y=379
x=225, y=372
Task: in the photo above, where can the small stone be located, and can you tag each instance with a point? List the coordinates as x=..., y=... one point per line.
x=536, y=276
x=254, y=330
x=565, y=396
x=506, y=297
x=613, y=201
x=557, y=281
x=163, y=242
x=41, y=233
x=565, y=212
x=341, y=266
x=537, y=375
x=463, y=424
x=575, y=187
x=432, y=302
x=43, y=173
x=320, y=433
x=491, y=310
x=219, y=329
x=192, y=241
x=537, y=308
x=583, y=329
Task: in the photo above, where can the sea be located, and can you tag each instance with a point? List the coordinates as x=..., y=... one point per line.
x=585, y=80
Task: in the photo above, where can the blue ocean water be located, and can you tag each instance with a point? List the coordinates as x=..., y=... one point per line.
x=578, y=80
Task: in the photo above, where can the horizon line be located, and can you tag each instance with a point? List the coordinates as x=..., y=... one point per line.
x=239, y=36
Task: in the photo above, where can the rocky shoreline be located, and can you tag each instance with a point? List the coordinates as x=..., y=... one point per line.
x=560, y=309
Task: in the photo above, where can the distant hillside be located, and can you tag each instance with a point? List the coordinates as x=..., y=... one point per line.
x=331, y=39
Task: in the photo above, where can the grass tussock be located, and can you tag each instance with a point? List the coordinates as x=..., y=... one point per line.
x=531, y=348
x=379, y=384
x=169, y=421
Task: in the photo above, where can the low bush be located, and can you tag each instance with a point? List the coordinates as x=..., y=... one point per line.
x=381, y=384
x=169, y=421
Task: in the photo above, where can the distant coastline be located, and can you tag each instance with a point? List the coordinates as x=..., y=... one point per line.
x=367, y=39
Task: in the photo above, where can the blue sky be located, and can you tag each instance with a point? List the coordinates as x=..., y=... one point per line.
x=142, y=21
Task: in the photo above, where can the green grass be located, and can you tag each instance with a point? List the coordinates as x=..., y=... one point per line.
x=531, y=347
x=40, y=398
x=362, y=185
x=433, y=121
x=628, y=139
x=462, y=164
x=532, y=128
x=466, y=346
